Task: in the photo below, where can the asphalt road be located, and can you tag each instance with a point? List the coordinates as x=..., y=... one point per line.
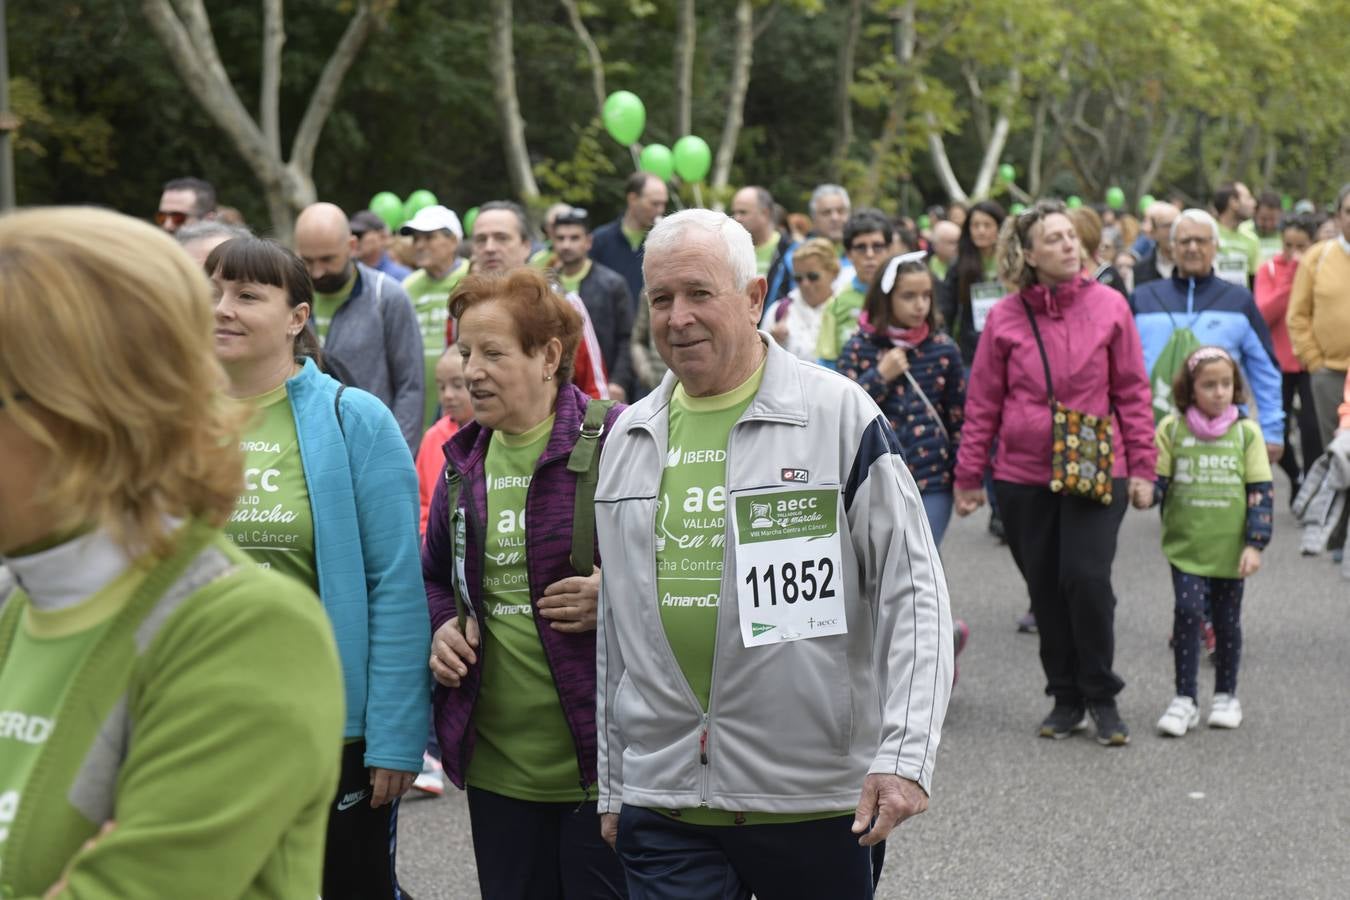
x=1263, y=811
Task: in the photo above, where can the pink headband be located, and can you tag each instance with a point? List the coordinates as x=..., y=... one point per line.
x=1207, y=354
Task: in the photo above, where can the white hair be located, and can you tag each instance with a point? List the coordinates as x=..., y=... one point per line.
x=738, y=248
x=828, y=190
x=1194, y=215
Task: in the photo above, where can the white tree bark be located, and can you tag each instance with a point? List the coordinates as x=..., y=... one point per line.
x=508, y=101
x=183, y=29
x=741, y=60
x=592, y=53
x=685, y=39
x=843, y=85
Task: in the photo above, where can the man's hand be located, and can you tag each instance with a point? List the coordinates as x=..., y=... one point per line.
x=617, y=393
x=59, y=887
x=570, y=604
x=1141, y=493
x=387, y=785
x=609, y=828
x=894, y=363
x=1274, y=451
x=892, y=800
x=452, y=652
x=780, y=331
x=968, y=501
x=1249, y=562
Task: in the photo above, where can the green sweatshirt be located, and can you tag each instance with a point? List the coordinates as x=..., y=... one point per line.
x=203, y=715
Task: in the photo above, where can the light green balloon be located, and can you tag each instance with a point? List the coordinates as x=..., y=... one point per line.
x=388, y=207
x=692, y=158
x=1145, y=202
x=1017, y=209
x=469, y=218
x=1074, y=201
x=624, y=116
x=417, y=201
x=658, y=160
x=1115, y=197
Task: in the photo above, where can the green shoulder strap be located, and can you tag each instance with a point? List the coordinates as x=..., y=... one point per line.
x=585, y=463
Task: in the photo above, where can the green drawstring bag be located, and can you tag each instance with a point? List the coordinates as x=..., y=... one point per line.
x=1179, y=346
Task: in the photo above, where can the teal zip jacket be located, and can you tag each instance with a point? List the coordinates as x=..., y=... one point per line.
x=363, y=493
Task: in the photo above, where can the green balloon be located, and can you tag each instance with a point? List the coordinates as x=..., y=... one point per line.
x=1286, y=202
x=417, y=201
x=924, y=222
x=388, y=207
x=692, y=158
x=658, y=160
x=1074, y=201
x=624, y=116
x=1115, y=198
x=469, y=219
x=1007, y=173
x=1017, y=209
x=1145, y=202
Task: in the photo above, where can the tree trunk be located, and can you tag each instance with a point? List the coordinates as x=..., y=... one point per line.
x=1160, y=151
x=503, y=66
x=1268, y=165
x=904, y=39
x=185, y=34
x=592, y=52
x=1037, y=147
x=998, y=138
x=741, y=59
x=843, y=89
x=685, y=40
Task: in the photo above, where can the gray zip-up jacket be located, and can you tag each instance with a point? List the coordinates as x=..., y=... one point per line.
x=374, y=337
x=797, y=726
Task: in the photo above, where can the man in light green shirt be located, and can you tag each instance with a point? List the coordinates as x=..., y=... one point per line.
x=1239, y=251
x=436, y=234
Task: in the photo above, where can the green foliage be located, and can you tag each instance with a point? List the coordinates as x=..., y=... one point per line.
x=105, y=119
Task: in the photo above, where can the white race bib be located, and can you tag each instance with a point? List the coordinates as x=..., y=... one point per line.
x=788, y=565
x=1232, y=267
x=983, y=297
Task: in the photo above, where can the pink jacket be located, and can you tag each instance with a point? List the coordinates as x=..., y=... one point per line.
x=1274, y=279
x=1097, y=364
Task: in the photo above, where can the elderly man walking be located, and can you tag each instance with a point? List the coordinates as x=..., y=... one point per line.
x=1197, y=306
x=775, y=648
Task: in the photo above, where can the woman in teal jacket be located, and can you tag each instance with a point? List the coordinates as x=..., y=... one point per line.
x=330, y=498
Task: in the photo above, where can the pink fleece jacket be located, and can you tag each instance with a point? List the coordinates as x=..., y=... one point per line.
x=1097, y=364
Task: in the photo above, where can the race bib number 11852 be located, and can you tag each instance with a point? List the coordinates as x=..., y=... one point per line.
x=788, y=565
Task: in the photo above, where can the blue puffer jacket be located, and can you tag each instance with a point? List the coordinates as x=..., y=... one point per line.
x=363, y=494
x=936, y=366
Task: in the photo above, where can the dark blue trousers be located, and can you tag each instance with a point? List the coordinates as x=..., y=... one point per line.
x=1221, y=600
x=541, y=851
x=666, y=859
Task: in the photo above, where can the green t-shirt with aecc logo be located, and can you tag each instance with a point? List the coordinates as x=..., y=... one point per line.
x=525, y=749
x=838, y=322
x=691, y=534
x=431, y=303
x=325, y=307
x=1239, y=255
x=764, y=253
x=274, y=523
x=47, y=647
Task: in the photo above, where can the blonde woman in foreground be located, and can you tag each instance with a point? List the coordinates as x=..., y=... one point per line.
x=172, y=712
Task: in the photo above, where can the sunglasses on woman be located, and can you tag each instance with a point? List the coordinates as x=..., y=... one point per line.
x=812, y=277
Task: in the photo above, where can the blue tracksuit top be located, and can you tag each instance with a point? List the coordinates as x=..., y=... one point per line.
x=1221, y=314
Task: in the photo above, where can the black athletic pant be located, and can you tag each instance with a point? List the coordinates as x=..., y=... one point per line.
x=362, y=844
x=1064, y=547
x=1309, y=432
x=541, y=851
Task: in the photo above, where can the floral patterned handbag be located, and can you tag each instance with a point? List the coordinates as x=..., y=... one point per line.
x=1082, y=455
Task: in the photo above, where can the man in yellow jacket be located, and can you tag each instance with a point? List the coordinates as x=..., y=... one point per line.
x=1319, y=317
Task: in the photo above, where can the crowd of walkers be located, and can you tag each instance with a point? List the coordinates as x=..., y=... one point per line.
x=632, y=533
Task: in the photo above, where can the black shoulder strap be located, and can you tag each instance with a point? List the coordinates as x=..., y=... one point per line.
x=1045, y=360
x=337, y=408
x=585, y=464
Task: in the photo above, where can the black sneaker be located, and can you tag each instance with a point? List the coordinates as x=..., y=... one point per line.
x=1111, y=730
x=996, y=529
x=1066, y=718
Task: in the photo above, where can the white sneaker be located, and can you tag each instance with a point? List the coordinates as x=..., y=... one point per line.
x=430, y=782
x=1226, y=712
x=1182, y=715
